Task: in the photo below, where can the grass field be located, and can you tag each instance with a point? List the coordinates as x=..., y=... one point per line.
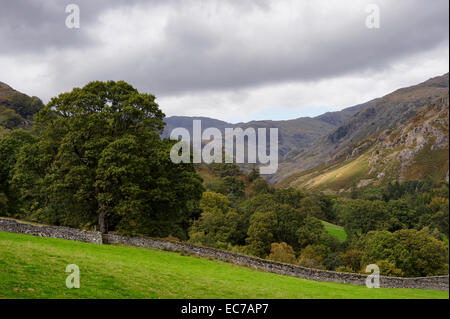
x=336, y=231
x=34, y=267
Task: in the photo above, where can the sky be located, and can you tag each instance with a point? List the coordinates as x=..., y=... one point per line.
x=234, y=60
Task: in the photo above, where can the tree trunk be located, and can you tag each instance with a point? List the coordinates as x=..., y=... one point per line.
x=102, y=227
x=102, y=224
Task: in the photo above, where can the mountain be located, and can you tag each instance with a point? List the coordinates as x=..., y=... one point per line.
x=16, y=108
x=388, y=112
x=339, y=117
x=173, y=122
x=416, y=149
x=293, y=134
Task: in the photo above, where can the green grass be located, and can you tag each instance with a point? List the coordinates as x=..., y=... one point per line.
x=34, y=267
x=337, y=231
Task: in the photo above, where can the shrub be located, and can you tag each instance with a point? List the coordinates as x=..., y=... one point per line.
x=388, y=268
x=282, y=252
x=353, y=259
x=311, y=257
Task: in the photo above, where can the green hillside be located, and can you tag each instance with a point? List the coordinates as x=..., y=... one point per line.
x=16, y=109
x=336, y=231
x=34, y=267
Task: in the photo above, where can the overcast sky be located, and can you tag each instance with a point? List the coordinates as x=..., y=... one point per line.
x=232, y=60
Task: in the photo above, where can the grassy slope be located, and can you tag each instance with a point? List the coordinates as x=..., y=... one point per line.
x=340, y=175
x=335, y=230
x=33, y=267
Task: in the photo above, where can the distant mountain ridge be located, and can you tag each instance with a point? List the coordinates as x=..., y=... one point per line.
x=388, y=112
x=293, y=134
x=310, y=144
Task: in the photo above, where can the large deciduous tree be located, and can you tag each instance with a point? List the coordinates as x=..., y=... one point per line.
x=100, y=159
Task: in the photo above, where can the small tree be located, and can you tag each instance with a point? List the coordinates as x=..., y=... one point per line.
x=311, y=232
x=282, y=252
x=388, y=268
x=261, y=233
x=312, y=256
x=218, y=223
x=353, y=259
x=254, y=174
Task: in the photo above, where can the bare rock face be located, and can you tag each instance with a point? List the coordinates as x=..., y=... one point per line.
x=403, y=144
x=364, y=182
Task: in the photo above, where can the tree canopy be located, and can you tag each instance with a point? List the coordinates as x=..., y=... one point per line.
x=99, y=159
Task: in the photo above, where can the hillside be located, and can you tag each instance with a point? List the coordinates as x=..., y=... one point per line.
x=376, y=116
x=16, y=109
x=34, y=267
x=414, y=150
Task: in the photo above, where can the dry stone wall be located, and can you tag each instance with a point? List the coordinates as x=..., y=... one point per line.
x=435, y=282
x=14, y=226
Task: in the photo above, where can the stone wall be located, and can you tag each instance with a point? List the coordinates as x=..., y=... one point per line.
x=13, y=226
x=435, y=283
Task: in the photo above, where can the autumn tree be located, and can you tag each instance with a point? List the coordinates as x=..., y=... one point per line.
x=282, y=252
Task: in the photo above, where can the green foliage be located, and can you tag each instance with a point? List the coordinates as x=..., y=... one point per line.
x=353, y=259
x=387, y=268
x=254, y=174
x=9, y=119
x=288, y=221
x=235, y=187
x=415, y=253
x=218, y=225
x=230, y=186
x=360, y=216
x=24, y=105
x=313, y=256
x=9, y=151
x=289, y=196
x=261, y=233
x=99, y=158
x=225, y=169
x=311, y=207
x=413, y=204
x=311, y=232
x=260, y=186
x=265, y=218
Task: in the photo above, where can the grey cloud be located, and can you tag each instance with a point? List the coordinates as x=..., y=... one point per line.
x=193, y=56
x=33, y=26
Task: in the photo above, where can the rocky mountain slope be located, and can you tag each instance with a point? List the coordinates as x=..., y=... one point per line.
x=375, y=116
x=417, y=149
